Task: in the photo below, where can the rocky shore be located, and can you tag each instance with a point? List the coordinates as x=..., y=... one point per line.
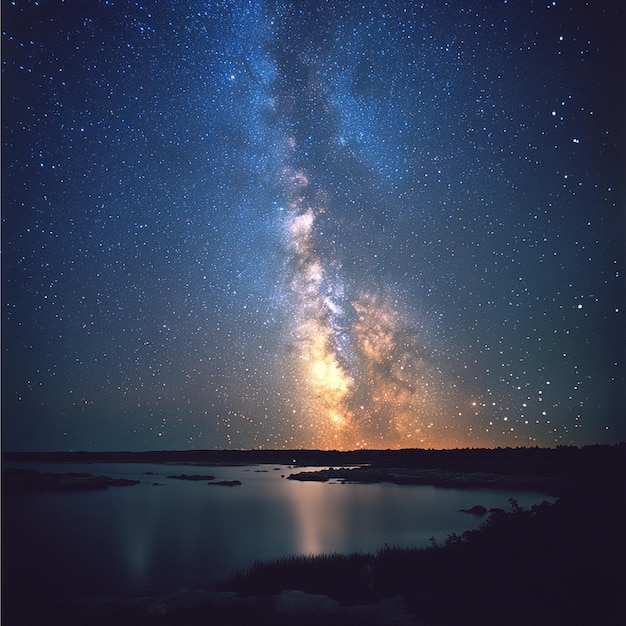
x=435, y=477
x=18, y=480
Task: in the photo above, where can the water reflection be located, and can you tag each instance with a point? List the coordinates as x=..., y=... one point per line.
x=187, y=534
x=318, y=525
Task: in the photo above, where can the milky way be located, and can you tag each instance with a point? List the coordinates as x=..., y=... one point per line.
x=312, y=224
x=359, y=373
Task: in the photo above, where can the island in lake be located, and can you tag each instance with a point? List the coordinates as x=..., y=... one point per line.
x=557, y=563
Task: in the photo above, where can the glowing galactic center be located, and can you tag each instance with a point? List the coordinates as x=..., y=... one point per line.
x=359, y=377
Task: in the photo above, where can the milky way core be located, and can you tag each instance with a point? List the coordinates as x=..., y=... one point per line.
x=254, y=223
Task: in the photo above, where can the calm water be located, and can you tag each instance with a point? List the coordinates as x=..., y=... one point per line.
x=186, y=534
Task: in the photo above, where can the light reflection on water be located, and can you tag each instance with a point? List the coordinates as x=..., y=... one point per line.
x=186, y=534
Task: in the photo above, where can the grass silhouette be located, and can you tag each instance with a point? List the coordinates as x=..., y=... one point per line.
x=561, y=563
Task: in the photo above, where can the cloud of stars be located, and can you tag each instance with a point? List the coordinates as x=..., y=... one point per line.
x=322, y=225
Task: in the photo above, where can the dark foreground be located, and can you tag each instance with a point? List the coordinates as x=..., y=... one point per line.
x=563, y=563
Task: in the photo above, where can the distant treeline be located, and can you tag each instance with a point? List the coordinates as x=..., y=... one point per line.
x=559, y=461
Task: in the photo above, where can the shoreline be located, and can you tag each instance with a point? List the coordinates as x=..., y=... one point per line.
x=522, y=460
x=552, y=471
x=434, y=477
x=577, y=540
x=17, y=480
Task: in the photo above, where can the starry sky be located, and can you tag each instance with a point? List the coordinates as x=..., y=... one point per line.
x=324, y=224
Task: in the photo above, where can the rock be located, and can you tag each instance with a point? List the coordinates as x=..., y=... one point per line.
x=192, y=477
x=425, y=476
x=29, y=481
x=476, y=510
x=294, y=603
x=120, y=482
x=317, y=608
x=386, y=612
x=226, y=483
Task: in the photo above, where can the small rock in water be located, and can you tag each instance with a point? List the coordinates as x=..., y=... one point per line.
x=192, y=477
x=226, y=483
x=476, y=510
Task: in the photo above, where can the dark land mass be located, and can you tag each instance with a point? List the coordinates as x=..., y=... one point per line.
x=192, y=477
x=226, y=483
x=528, y=461
x=18, y=480
x=547, y=470
x=555, y=564
x=21, y=481
x=436, y=477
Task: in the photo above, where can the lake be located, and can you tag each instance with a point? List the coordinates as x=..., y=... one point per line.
x=177, y=534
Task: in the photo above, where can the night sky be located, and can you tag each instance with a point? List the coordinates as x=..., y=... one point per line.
x=312, y=224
